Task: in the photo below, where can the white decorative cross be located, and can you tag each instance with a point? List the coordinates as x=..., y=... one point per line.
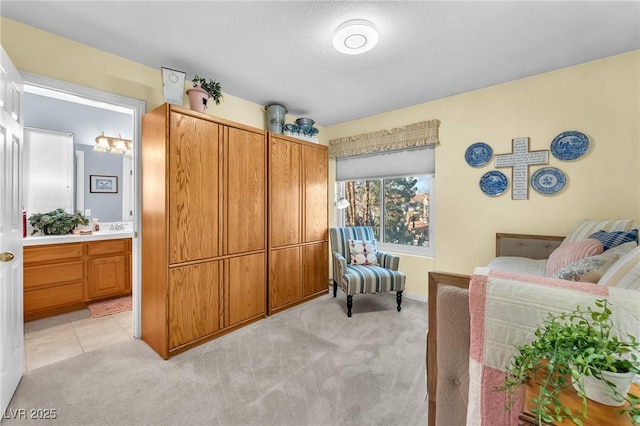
x=520, y=159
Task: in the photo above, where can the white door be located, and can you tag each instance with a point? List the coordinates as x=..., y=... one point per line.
x=11, y=318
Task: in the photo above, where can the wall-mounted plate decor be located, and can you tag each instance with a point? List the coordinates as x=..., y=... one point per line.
x=478, y=154
x=548, y=180
x=569, y=145
x=493, y=183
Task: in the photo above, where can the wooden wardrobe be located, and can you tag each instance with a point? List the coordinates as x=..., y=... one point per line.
x=204, y=259
x=298, y=221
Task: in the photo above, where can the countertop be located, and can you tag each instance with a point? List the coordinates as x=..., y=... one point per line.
x=38, y=240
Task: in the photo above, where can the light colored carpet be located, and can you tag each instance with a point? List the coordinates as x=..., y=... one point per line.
x=309, y=365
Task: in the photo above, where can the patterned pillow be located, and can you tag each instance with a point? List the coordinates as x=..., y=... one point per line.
x=572, y=252
x=612, y=239
x=624, y=265
x=586, y=227
x=586, y=269
x=363, y=252
x=631, y=280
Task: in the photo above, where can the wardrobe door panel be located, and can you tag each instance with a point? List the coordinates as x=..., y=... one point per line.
x=247, y=282
x=193, y=189
x=315, y=275
x=246, y=191
x=285, y=196
x=284, y=276
x=316, y=216
x=194, y=302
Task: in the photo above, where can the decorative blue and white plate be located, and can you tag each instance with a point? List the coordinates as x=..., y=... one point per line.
x=569, y=145
x=478, y=154
x=493, y=183
x=548, y=180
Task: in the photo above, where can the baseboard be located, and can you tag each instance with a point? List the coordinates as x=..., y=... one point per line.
x=415, y=296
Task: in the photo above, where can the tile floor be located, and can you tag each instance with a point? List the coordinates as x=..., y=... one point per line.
x=53, y=339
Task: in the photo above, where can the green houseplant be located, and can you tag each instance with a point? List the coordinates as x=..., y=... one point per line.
x=203, y=91
x=570, y=347
x=56, y=222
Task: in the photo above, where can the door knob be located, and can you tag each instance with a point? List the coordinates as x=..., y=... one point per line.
x=6, y=256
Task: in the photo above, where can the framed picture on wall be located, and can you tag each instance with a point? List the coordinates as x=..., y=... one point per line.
x=104, y=184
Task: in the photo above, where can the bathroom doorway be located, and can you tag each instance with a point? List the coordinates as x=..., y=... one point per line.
x=130, y=206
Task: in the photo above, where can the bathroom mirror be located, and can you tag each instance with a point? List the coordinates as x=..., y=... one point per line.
x=65, y=127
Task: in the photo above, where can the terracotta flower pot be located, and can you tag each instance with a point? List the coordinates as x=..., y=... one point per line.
x=198, y=99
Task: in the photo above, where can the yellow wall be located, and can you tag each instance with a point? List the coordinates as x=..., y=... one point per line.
x=39, y=52
x=600, y=99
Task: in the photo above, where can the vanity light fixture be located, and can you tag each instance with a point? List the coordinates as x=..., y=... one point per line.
x=113, y=145
x=102, y=143
x=355, y=36
x=118, y=146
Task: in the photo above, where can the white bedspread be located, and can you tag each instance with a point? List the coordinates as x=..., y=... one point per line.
x=505, y=310
x=521, y=265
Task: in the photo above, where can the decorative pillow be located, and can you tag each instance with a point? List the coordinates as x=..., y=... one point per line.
x=363, y=252
x=572, y=252
x=619, y=269
x=577, y=270
x=594, y=275
x=586, y=227
x=623, y=249
x=612, y=239
x=631, y=280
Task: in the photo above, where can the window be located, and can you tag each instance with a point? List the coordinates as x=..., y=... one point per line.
x=48, y=171
x=399, y=208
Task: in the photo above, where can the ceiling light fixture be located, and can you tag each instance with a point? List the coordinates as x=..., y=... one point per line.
x=355, y=36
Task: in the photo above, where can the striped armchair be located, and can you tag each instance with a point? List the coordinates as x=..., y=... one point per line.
x=360, y=279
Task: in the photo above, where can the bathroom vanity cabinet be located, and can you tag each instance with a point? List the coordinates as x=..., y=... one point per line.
x=64, y=277
x=108, y=269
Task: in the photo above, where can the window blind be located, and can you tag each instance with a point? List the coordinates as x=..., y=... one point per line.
x=408, y=162
x=48, y=171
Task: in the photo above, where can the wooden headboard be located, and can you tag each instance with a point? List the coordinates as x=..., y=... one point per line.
x=525, y=245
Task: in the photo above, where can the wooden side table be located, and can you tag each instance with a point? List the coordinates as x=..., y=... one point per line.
x=598, y=414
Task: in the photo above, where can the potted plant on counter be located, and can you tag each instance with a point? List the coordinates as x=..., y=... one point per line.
x=577, y=348
x=202, y=91
x=56, y=222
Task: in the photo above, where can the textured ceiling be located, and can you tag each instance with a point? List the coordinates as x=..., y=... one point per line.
x=281, y=51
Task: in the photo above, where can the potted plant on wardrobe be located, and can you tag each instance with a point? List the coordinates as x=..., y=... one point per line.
x=202, y=91
x=577, y=349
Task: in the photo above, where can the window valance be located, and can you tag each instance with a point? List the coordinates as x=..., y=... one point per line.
x=424, y=133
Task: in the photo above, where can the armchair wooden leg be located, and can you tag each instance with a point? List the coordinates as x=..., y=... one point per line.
x=335, y=288
x=399, y=300
x=349, y=305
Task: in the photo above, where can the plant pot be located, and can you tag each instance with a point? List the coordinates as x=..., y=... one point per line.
x=597, y=390
x=197, y=99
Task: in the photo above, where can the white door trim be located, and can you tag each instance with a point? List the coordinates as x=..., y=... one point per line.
x=80, y=181
x=139, y=108
x=127, y=196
